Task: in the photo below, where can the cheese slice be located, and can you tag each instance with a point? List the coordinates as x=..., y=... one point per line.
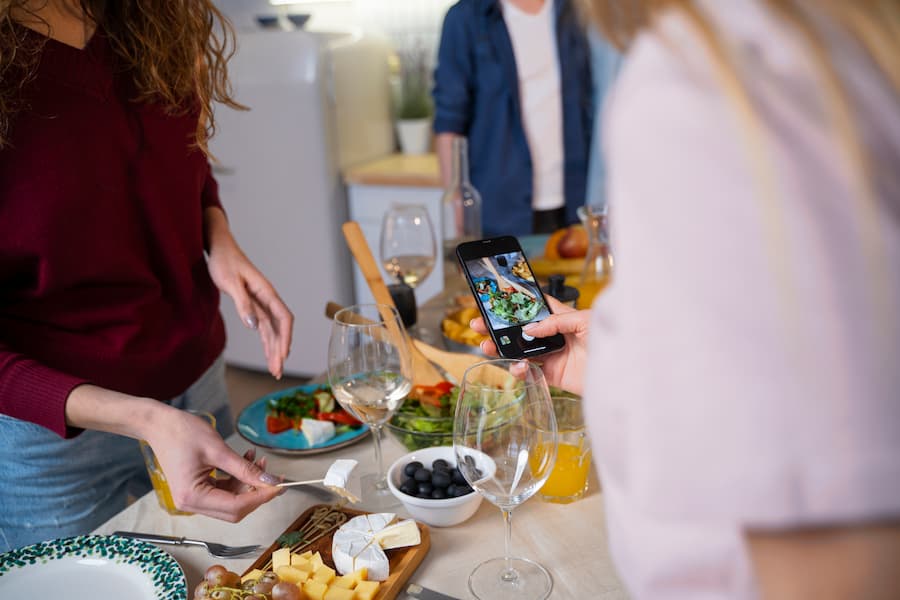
x=338, y=480
x=356, y=544
x=316, y=432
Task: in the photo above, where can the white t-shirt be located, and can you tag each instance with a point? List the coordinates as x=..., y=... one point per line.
x=744, y=365
x=534, y=45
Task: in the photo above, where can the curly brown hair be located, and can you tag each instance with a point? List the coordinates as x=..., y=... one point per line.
x=176, y=50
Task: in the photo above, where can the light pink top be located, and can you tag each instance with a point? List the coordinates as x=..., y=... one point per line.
x=745, y=364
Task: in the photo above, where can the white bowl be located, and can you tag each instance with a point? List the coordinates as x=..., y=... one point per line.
x=439, y=513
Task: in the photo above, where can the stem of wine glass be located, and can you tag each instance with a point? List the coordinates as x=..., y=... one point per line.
x=509, y=574
x=381, y=483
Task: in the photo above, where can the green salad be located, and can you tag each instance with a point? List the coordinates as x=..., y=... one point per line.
x=514, y=307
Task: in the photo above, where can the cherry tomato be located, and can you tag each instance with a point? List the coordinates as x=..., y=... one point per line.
x=276, y=424
x=340, y=417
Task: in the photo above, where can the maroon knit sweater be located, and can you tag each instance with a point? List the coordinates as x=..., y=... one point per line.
x=103, y=277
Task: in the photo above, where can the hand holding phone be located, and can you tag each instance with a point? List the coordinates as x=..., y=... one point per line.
x=507, y=295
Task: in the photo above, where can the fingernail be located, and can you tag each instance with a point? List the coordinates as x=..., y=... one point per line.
x=251, y=321
x=269, y=479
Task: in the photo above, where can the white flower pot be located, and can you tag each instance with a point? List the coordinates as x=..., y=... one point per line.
x=415, y=135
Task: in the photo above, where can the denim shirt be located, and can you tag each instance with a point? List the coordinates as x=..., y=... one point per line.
x=476, y=94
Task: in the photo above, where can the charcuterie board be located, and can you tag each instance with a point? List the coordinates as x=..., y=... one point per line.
x=403, y=561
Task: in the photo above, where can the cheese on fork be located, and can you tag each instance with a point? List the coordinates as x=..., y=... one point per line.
x=337, y=479
x=361, y=541
x=316, y=432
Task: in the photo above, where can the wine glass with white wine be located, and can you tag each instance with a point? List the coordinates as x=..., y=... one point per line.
x=370, y=373
x=408, y=245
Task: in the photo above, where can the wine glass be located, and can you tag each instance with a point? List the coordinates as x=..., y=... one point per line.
x=505, y=438
x=408, y=246
x=370, y=372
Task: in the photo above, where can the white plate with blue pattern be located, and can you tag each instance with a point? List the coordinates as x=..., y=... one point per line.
x=91, y=567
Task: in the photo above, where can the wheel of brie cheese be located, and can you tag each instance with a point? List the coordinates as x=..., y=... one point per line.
x=361, y=542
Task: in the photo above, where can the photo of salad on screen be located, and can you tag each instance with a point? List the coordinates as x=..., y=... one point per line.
x=507, y=290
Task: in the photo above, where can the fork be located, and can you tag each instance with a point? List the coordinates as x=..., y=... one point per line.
x=217, y=550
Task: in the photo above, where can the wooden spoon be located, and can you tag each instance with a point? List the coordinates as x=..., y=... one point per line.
x=424, y=373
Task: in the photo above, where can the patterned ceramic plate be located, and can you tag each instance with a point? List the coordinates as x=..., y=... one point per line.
x=91, y=567
x=251, y=424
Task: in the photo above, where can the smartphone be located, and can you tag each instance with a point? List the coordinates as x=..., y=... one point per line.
x=507, y=294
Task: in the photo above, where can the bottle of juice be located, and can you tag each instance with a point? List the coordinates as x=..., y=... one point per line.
x=598, y=263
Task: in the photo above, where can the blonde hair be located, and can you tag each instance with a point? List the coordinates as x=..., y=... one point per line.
x=873, y=24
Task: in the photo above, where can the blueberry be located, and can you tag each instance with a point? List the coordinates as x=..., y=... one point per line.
x=410, y=469
x=422, y=474
x=438, y=494
x=441, y=479
x=451, y=491
x=425, y=489
x=440, y=464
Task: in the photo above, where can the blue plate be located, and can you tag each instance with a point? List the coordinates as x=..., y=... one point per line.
x=251, y=424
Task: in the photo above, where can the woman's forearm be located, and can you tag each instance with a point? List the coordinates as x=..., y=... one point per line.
x=93, y=407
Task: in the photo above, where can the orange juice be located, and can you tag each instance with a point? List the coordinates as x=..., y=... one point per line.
x=589, y=290
x=569, y=477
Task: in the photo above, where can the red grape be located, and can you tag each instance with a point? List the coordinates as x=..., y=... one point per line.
x=285, y=591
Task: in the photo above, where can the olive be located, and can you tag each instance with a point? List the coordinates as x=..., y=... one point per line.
x=425, y=489
x=422, y=474
x=440, y=464
x=457, y=476
x=409, y=487
x=410, y=469
x=440, y=479
x=438, y=493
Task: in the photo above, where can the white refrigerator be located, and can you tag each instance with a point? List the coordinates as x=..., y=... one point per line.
x=319, y=102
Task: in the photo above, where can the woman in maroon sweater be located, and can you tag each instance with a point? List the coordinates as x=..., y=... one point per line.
x=113, y=249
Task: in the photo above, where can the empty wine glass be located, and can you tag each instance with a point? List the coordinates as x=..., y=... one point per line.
x=370, y=372
x=408, y=246
x=504, y=437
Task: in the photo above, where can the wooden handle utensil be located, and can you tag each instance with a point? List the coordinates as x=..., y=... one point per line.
x=503, y=282
x=424, y=373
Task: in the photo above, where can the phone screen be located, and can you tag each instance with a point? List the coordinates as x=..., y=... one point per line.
x=508, y=295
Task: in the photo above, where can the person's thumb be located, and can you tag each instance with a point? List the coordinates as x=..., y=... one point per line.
x=564, y=323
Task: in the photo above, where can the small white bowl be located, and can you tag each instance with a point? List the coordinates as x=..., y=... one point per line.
x=439, y=513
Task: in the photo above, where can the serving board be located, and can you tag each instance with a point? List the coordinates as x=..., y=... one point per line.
x=403, y=561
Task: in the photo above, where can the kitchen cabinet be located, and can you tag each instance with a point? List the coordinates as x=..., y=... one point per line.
x=373, y=187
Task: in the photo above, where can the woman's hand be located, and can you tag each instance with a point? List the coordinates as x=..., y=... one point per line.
x=565, y=368
x=187, y=449
x=256, y=301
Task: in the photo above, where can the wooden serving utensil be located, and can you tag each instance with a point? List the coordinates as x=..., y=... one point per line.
x=503, y=282
x=454, y=364
x=424, y=373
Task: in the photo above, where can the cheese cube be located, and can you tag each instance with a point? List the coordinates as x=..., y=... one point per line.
x=305, y=555
x=301, y=563
x=251, y=576
x=316, y=561
x=291, y=574
x=359, y=575
x=325, y=574
x=315, y=590
x=281, y=558
x=365, y=590
x=344, y=581
x=336, y=593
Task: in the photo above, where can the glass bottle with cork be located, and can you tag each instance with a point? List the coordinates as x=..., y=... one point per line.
x=461, y=203
x=598, y=264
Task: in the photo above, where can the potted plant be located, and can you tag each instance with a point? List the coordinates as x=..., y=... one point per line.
x=414, y=108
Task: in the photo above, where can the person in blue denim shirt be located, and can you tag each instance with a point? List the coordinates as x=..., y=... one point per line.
x=487, y=60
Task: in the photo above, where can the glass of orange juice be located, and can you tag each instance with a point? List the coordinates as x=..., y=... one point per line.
x=569, y=479
x=158, y=478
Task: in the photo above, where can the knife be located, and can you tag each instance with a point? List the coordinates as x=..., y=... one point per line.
x=417, y=592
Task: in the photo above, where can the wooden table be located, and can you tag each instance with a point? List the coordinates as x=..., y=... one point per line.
x=569, y=540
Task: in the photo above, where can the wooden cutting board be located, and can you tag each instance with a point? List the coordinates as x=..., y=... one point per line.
x=403, y=561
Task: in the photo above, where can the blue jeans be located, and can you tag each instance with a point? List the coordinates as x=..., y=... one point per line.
x=51, y=487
